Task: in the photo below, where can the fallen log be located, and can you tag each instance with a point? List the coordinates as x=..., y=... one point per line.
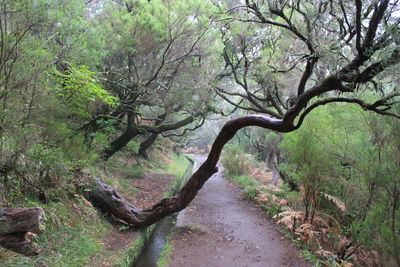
x=107, y=199
x=17, y=225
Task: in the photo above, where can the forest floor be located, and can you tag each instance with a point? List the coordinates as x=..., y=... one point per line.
x=221, y=228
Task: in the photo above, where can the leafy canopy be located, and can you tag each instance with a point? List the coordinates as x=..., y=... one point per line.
x=79, y=87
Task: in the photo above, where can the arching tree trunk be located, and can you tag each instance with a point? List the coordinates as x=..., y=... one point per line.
x=208, y=168
x=166, y=206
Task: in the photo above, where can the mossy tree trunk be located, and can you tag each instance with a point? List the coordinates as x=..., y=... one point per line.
x=133, y=129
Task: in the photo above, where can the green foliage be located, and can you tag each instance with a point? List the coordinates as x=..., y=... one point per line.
x=272, y=138
x=133, y=147
x=133, y=172
x=309, y=160
x=158, y=15
x=246, y=182
x=133, y=252
x=46, y=167
x=121, y=168
x=251, y=192
x=312, y=258
x=236, y=161
x=79, y=87
x=354, y=158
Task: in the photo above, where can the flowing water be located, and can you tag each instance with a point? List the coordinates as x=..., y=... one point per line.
x=156, y=243
x=159, y=237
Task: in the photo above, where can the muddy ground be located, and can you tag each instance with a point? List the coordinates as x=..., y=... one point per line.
x=227, y=230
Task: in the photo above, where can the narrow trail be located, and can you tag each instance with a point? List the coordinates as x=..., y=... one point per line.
x=235, y=231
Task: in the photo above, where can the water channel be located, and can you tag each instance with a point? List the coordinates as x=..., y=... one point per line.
x=164, y=228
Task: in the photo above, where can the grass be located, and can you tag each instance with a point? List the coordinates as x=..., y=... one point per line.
x=133, y=252
x=249, y=185
x=251, y=189
x=72, y=233
x=246, y=181
x=177, y=167
x=165, y=254
x=310, y=256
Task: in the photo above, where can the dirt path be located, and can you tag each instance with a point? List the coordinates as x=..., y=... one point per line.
x=236, y=233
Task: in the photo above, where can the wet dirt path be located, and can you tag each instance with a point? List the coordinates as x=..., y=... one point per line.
x=235, y=232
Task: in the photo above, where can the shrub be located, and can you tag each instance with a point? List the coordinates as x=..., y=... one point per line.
x=236, y=162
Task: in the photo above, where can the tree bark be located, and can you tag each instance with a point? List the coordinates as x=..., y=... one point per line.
x=146, y=144
x=133, y=130
x=16, y=226
x=107, y=199
x=119, y=143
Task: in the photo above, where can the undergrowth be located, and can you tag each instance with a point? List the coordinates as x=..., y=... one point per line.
x=73, y=232
x=177, y=166
x=317, y=231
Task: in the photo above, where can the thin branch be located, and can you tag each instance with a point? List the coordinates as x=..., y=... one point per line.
x=375, y=107
x=186, y=129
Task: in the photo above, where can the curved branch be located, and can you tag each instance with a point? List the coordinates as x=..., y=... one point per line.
x=306, y=75
x=198, y=125
x=383, y=102
x=374, y=69
x=237, y=105
x=250, y=97
x=178, y=202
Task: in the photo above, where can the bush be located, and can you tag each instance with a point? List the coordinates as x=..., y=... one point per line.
x=236, y=162
x=356, y=163
x=44, y=169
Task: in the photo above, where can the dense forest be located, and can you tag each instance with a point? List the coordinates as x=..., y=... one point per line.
x=95, y=94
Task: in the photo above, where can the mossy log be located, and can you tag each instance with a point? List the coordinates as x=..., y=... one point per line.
x=17, y=225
